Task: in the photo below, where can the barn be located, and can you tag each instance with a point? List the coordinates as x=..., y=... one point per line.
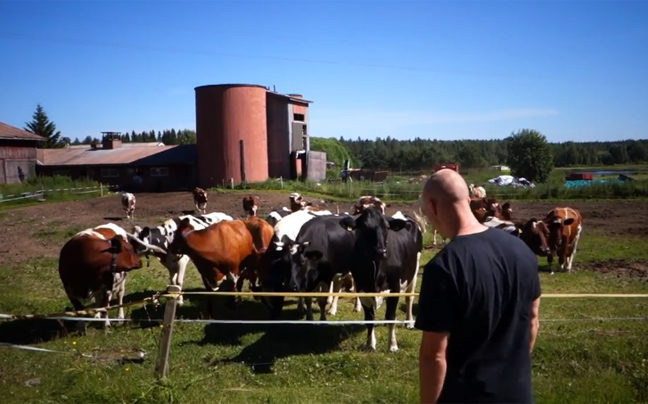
x=246, y=132
x=152, y=167
x=17, y=154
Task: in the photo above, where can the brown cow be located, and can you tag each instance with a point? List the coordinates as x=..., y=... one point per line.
x=220, y=252
x=251, y=205
x=557, y=234
x=200, y=200
x=93, y=265
x=262, y=233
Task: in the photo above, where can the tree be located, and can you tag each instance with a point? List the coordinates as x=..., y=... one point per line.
x=41, y=125
x=529, y=155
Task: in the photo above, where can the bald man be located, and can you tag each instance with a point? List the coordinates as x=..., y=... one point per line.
x=478, y=305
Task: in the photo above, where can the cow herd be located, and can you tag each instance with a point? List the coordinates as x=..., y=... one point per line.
x=303, y=248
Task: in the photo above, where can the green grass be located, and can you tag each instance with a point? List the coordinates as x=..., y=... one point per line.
x=575, y=362
x=398, y=189
x=10, y=191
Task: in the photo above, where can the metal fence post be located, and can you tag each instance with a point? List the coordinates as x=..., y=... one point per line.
x=162, y=368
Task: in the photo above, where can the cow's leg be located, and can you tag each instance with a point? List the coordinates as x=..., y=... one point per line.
x=434, y=236
x=412, y=288
x=103, y=303
x=370, y=315
x=78, y=306
x=321, y=301
x=357, y=305
x=309, y=308
x=119, y=294
x=390, y=314
x=570, y=258
x=335, y=286
x=178, y=279
x=301, y=305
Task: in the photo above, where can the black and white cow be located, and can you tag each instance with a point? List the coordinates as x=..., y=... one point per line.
x=386, y=256
x=319, y=257
x=162, y=236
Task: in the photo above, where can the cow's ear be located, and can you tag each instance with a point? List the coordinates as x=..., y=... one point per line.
x=144, y=232
x=396, y=224
x=568, y=221
x=348, y=223
x=313, y=255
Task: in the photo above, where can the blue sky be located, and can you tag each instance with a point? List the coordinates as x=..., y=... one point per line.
x=574, y=70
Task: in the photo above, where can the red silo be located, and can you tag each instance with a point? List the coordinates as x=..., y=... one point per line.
x=225, y=115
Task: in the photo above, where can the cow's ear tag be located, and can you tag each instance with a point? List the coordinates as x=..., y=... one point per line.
x=349, y=228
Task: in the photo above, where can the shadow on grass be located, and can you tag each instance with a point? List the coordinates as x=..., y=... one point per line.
x=34, y=331
x=113, y=218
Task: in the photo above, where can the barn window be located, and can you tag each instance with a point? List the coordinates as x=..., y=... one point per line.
x=299, y=117
x=159, y=171
x=109, y=172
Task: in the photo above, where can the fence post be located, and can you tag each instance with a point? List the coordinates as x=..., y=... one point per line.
x=101, y=189
x=162, y=368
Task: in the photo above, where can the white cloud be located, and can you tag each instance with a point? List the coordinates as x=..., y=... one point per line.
x=389, y=120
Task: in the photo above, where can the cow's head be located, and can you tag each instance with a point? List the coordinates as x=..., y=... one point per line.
x=536, y=235
x=371, y=229
x=556, y=224
x=250, y=205
x=507, y=211
x=123, y=257
x=178, y=243
x=297, y=202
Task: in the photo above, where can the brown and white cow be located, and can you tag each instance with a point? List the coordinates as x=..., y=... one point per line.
x=251, y=205
x=490, y=207
x=555, y=235
x=128, y=204
x=366, y=202
x=565, y=227
x=93, y=265
x=476, y=192
x=200, y=200
x=297, y=202
x=220, y=252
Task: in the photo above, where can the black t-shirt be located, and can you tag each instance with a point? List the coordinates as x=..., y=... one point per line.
x=480, y=288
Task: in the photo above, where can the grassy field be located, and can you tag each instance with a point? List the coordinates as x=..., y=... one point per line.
x=55, y=189
x=398, y=187
x=577, y=360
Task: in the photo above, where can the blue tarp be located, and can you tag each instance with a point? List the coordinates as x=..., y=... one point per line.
x=586, y=183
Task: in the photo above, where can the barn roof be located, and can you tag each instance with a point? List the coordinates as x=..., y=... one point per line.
x=11, y=132
x=132, y=156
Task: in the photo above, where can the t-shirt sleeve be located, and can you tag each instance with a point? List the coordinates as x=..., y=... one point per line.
x=437, y=304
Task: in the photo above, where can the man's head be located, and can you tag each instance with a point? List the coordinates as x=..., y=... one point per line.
x=446, y=202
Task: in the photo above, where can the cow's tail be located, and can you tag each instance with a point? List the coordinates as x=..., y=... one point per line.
x=420, y=220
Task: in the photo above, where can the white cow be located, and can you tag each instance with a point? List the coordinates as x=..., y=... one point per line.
x=128, y=204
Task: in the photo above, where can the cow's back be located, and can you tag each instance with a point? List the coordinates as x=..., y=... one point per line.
x=79, y=259
x=225, y=243
x=261, y=232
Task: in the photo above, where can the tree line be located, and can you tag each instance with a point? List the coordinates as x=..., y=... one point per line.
x=421, y=154
x=167, y=136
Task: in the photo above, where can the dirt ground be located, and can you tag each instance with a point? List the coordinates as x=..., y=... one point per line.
x=21, y=239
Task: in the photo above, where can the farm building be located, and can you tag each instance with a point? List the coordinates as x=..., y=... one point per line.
x=17, y=154
x=135, y=166
x=249, y=133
